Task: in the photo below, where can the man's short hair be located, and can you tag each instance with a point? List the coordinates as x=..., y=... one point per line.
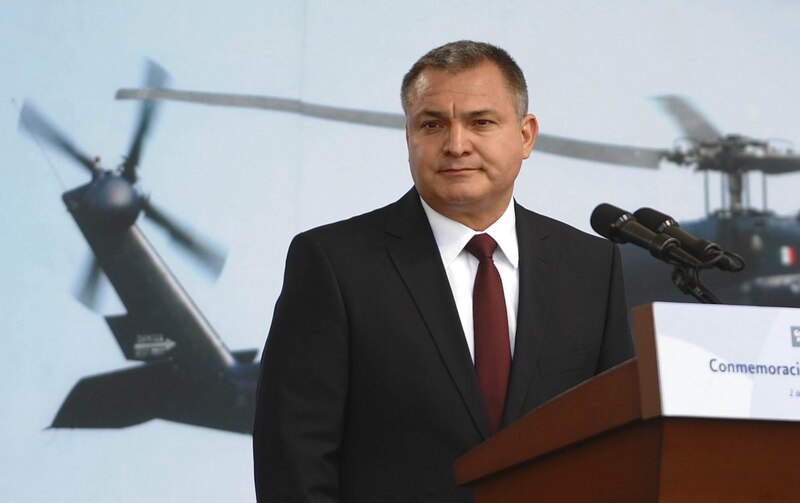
x=463, y=55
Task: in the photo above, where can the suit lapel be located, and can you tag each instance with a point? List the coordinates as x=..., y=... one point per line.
x=416, y=258
x=536, y=275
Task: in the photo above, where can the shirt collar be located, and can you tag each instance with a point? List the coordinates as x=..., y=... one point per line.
x=451, y=236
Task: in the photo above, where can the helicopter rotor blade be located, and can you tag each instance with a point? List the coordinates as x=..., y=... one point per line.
x=87, y=290
x=768, y=164
x=688, y=118
x=209, y=256
x=35, y=123
x=612, y=154
x=156, y=77
x=600, y=152
x=349, y=115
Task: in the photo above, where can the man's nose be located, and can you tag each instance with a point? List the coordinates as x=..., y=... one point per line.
x=457, y=142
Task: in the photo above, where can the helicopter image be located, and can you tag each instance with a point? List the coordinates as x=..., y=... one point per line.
x=187, y=375
x=768, y=243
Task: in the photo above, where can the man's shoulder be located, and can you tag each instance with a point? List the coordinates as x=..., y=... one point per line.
x=372, y=225
x=549, y=226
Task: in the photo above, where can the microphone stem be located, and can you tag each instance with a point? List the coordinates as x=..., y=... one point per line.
x=687, y=279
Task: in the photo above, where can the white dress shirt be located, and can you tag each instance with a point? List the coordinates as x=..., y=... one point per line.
x=461, y=267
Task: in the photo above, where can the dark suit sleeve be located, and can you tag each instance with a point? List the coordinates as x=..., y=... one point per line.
x=302, y=389
x=617, y=341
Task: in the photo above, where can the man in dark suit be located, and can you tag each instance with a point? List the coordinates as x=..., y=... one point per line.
x=369, y=390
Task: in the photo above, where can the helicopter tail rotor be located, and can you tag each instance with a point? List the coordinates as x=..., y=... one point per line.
x=206, y=254
x=32, y=121
x=155, y=78
x=99, y=200
x=87, y=290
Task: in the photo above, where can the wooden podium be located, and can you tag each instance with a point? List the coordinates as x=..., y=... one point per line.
x=606, y=440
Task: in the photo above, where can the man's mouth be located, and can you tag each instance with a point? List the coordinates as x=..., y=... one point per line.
x=457, y=169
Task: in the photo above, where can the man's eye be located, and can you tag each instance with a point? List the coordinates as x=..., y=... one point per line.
x=430, y=125
x=483, y=122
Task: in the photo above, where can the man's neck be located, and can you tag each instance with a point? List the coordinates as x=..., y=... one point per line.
x=475, y=220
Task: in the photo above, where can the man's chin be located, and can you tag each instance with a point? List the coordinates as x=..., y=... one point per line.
x=461, y=201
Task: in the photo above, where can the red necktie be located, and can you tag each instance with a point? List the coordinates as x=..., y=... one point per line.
x=492, y=348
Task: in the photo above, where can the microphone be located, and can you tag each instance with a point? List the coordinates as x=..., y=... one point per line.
x=620, y=226
x=702, y=249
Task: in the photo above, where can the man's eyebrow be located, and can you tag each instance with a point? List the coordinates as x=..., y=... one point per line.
x=442, y=115
x=432, y=113
x=477, y=113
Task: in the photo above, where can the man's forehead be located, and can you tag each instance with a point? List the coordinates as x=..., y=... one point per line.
x=482, y=81
x=480, y=74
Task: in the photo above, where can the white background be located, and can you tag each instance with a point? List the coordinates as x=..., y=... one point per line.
x=251, y=179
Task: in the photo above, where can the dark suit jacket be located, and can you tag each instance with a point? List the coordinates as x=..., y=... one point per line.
x=368, y=392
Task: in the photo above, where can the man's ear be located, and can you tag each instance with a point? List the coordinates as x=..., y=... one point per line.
x=530, y=128
x=407, y=149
